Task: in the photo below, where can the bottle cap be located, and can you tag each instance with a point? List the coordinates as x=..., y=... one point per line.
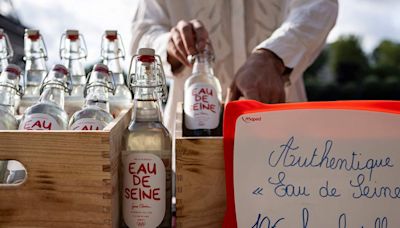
x=146, y=55
x=111, y=35
x=72, y=34
x=32, y=34
x=14, y=70
x=59, y=68
x=146, y=51
x=99, y=67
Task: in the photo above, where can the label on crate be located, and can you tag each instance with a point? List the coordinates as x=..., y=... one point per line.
x=202, y=107
x=144, y=190
x=88, y=124
x=39, y=121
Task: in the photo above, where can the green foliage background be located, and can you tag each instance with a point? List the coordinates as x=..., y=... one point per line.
x=343, y=71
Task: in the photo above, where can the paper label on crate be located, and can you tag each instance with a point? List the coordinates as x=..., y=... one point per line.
x=39, y=121
x=88, y=124
x=202, y=107
x=144, y=190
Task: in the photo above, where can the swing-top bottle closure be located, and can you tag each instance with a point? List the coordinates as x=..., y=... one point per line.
x=148, y=57
x=58, y=76
x=72, y=36
x=100, y=71
x=9, y=50
x=12, y=79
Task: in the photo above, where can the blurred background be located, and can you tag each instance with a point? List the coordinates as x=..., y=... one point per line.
x=360, y=61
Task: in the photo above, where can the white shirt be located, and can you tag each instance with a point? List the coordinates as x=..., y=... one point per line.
x=295, y=30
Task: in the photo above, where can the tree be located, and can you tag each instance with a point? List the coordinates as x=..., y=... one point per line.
x=386, y=59
x=347, y=60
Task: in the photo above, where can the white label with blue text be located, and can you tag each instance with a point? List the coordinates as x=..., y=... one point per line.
x=317, y=168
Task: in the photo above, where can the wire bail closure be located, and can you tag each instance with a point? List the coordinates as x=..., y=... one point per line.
x=110, y=84
x=159, y=83
x=10, y=51
x=66, y=85
x=121, y=48
x=63, y=50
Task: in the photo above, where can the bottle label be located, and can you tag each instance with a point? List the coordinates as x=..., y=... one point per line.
x=144, y=190
x=39, y=121
x=87, y=124
x=201, y=106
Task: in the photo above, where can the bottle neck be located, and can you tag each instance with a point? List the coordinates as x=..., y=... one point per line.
x=98, y=98
x=3, y=49
x=35, y=57
x=72, y=59
x=202, y=66
x=115, y=66
x=146, y=106
x=7, y=99
x=3, y=63
x=76, y=70
x=54, y=95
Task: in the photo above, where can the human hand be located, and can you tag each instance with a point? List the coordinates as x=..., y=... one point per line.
x=260, y=78
x=187, y=38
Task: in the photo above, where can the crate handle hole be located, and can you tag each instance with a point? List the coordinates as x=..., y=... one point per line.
x=12, y=173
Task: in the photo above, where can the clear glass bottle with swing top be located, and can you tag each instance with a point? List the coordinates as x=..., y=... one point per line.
x=9, y=88
x=6, y=51
x=95, y=114
x=73, y=52
x=113, y=53
x=202, y=98
x=35, y=67
x=146, y=173
x=48, y=113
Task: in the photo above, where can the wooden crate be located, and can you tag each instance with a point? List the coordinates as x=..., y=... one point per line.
x=71, y=177
x=200, y=179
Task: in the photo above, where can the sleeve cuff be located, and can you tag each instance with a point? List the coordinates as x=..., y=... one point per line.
x=282, y=44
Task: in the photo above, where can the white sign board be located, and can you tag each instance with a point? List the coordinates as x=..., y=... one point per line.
x=317, y=169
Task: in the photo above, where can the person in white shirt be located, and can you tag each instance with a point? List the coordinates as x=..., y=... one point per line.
x=262, y=47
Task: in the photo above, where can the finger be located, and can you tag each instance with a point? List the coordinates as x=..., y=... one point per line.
x=173, y=50
x=180, y=47
x=234, y=93
x=188, y=36
x=201, y=34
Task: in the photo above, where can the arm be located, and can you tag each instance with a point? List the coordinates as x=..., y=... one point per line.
x=289, y=50
x=301, y=37
x=150, y=27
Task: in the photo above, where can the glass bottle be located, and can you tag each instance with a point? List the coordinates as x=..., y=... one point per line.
x=48, y=113
x=72, y=53
x=112, y=53
x=146, y=162
x=6, y=51
x=202, y=98
x=9, y=88
x=35, y=67
x=95, y=114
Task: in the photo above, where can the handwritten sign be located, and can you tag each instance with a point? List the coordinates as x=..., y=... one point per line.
x=317, y=168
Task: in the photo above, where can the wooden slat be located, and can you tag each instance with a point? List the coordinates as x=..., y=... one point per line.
x=200, y=179
x=116, y=146
x=72, y=179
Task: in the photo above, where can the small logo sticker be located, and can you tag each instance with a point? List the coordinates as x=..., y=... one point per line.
x=251, y=119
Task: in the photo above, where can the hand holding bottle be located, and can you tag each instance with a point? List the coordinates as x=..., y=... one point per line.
x=187, y=38
x=260, y=78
